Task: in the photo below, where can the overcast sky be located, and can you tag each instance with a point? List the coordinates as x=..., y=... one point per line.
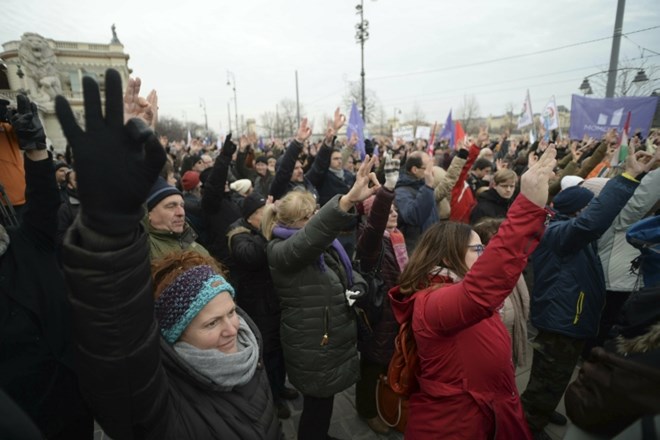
x=414, y=54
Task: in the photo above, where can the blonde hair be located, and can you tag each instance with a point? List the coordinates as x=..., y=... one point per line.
x=290, y=209
x=504, y=176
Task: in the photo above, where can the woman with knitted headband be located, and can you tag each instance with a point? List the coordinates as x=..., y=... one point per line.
x=185, y=365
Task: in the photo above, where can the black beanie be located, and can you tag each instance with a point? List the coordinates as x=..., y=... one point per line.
x=261, y=159
x=159, y=191
x=571, y=200
x=251, y=203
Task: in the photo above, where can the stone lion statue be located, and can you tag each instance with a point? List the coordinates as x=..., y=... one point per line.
x=38, y=60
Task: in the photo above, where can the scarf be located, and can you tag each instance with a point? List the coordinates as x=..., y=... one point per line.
x=442, y=275
x=225, y=369
x=520, y=301
x=4, y=240
x=399, y=247
x=339, y=173
x=285, y=232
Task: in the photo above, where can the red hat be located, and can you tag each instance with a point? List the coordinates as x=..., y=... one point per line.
x=190, y=180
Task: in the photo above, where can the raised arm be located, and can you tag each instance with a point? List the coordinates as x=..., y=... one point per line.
x=214, y=188
x=288, y=161
x=107, y=267
x=322, y=162
x=495, y=273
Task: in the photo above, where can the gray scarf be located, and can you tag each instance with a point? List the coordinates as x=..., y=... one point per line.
x=339, y=173
x=227, y=370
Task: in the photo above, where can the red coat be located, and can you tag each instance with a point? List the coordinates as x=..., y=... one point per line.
x=462, y=200
x=466, y=377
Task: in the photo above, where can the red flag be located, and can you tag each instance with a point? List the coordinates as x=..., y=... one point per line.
x=432, y=140
x=460, y=133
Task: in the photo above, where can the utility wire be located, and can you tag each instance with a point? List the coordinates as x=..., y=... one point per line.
x=507, y=58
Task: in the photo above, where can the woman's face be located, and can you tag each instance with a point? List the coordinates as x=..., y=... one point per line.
x=506, y=188
x=392, y=219
x=474, y=250
x=215, y=326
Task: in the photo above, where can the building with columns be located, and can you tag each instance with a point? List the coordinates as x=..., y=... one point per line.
x=44, y=68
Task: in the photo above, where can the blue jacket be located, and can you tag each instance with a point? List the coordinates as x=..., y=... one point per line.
x=416, y=205
x=569, y=287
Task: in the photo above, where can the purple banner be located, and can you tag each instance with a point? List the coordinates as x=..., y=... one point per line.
x=594, y=116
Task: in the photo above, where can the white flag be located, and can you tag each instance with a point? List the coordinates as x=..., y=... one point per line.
x=526, y=116
x=550, y=117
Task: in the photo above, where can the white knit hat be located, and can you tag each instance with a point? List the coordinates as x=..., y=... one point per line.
x=241, y=186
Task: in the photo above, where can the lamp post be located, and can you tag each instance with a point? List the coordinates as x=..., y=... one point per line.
x=202, y=104
x=640, y=77
x=361, y=36
x=397, y=111
x=231, y=82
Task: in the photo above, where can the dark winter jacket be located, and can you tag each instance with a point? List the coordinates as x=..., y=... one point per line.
x=417, y=210
x=137, y=385
x=490, y=204
x=569, y=288
x=330, y=185
x=369, y=246
x=250, y=276
x=36, y=341
x=282, y=183
x=194, y=215
x=318, y=329
x=261, y=184
x=219, y=209
x=162, y=243
x=65, y=216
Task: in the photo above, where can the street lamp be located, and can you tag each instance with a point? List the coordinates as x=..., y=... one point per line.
x=231, y=82
x=397, y=111
x=202, y=105
x=640, y=77
x=361, y=36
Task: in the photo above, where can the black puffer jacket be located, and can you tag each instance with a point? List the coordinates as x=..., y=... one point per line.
x=370, y=243
x=318, y=329
x=137, y=386
x=282, y=183
x=490, y=204
x=250, y=277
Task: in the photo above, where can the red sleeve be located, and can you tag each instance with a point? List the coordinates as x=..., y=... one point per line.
x=461, y=206
x=493, y=275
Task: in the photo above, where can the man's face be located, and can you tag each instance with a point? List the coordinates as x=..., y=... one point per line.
x=168, y=215
x=481, y=173
x=261, y=168
x=60, y=175
x=426, y=162
x=297, y=175
x=335, y=161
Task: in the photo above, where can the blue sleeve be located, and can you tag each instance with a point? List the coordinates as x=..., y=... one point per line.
x=413, y=210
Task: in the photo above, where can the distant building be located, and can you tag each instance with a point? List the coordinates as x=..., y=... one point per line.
x=45, y=68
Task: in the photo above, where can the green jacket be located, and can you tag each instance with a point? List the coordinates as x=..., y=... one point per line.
x=162, y=243
x=317, y=329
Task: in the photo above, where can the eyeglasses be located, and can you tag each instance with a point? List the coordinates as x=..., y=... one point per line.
x=478, y=248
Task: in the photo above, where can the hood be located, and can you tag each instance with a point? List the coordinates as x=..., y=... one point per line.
x=402, y=305
x=405, y=179
x=491, y=195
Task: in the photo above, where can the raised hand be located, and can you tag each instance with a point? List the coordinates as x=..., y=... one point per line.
x=111, y=196
x=534, y=183
x=353, y=141
x=577, y=154
x=304, y=131
x=392, y=167
x=136, y=106
x=228, y=147
x=638, y=162
x=338, y=121
x=361, y=189
x=27, y=125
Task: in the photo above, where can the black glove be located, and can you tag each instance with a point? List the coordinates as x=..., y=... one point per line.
x=116, y=165
x=27, y=125
x=4, y=117
x=228, y=147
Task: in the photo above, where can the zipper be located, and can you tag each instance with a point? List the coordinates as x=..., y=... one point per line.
x=578, y=308
x=324, y=340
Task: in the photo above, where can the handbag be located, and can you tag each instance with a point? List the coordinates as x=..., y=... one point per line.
x=392, y=407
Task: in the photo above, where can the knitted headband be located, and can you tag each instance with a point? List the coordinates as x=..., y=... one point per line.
x=182, y=300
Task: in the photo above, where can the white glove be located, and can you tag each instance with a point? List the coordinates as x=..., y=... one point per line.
x=391, y=171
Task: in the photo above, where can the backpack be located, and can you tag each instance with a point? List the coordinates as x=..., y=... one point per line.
x=393, y=390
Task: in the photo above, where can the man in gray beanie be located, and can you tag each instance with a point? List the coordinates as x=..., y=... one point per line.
x=569, y=288
x=166, y=223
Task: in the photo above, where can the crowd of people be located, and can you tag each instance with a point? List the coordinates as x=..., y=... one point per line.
x=168, y=290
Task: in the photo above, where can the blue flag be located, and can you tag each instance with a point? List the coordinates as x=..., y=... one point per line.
x=448, y=130
x=356, y=125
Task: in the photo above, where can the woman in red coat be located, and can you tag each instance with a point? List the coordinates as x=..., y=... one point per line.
x=451, y=292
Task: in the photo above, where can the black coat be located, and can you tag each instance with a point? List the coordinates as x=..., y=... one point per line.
x=36, y=347
x=137, y=386
x=250, y=276
x=219, y=209
x=490, y=204
x=369, y=246
x=282, y=183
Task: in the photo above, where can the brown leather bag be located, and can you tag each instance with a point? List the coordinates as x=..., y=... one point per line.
x=393, y=390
